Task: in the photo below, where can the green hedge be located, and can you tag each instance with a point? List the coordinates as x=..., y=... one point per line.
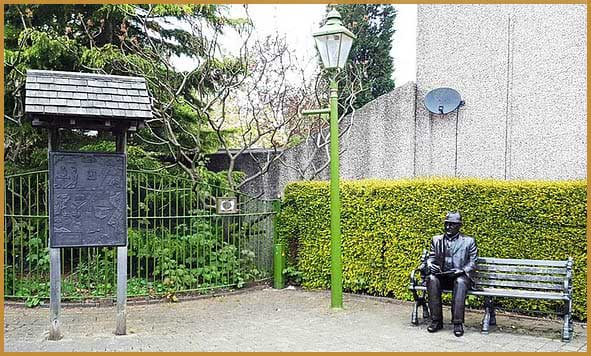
x=386, y=224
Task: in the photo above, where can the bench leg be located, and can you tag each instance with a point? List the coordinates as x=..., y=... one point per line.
x=414, y=318
x=419, y=302
x=571, y=327
x=567, y=329
x=566, y=333
x=489, y=315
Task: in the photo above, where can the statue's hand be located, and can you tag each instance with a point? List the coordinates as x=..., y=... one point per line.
x=433, y=268
x=457, y=272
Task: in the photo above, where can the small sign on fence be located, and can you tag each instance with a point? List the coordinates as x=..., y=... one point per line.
x=226, y=205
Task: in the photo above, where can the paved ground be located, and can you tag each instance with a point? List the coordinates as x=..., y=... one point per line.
x=264, y=319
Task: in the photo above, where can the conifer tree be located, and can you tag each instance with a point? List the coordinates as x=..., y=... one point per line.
x=370, y=58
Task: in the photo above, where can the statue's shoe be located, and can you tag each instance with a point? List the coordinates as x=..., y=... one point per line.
x=458, y=330
x=435, y=325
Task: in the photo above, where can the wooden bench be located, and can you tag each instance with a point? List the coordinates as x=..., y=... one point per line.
x=508, y=278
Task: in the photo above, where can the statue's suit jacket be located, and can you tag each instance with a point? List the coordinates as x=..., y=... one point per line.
x=463, y=256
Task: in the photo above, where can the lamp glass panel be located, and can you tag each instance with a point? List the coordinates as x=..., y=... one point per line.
x=322, y=50
x=333, y=46
x=346, y=44
x=329, y=47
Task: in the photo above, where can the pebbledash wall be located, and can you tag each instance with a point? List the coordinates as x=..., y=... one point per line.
x=521, y=70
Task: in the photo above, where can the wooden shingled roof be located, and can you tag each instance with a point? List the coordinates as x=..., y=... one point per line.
x=66, y=99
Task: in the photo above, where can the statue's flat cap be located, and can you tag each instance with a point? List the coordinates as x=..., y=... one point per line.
x=453, y=217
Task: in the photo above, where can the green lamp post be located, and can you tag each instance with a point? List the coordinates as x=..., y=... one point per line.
x=334, y=42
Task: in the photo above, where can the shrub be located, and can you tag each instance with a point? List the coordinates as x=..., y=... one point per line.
x=386, y=224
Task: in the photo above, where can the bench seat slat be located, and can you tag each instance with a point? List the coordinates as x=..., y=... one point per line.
x=509, y=293
x=512, y=261
x=519, y=277
x=519, y=284
x=522, y=269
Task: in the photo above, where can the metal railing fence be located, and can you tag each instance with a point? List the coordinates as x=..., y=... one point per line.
x=176, y=241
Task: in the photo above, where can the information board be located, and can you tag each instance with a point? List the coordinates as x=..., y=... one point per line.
x=87, y=201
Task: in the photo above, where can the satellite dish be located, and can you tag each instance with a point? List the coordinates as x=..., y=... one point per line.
x=443, y=100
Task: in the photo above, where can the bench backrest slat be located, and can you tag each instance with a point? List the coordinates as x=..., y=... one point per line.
x=522, y=269
x=519, y=277
x=519, y=284
x=510, y=261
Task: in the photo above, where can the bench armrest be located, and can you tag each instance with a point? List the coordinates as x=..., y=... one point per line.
x=413, y=278
x=568, y=280
x=421, y=269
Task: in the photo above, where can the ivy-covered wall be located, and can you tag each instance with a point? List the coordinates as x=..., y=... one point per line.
x=386, y=225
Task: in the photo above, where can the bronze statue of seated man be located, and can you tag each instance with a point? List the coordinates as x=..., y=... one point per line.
x=451, y=265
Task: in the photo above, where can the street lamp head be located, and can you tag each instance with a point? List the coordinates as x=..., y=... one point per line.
x=333, y=41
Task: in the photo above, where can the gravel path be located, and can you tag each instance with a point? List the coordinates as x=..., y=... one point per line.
x=265, y=319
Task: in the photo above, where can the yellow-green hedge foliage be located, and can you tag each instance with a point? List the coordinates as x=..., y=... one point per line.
x=386, y=224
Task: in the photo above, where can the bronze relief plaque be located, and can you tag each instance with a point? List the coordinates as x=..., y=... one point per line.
x=87, y=200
